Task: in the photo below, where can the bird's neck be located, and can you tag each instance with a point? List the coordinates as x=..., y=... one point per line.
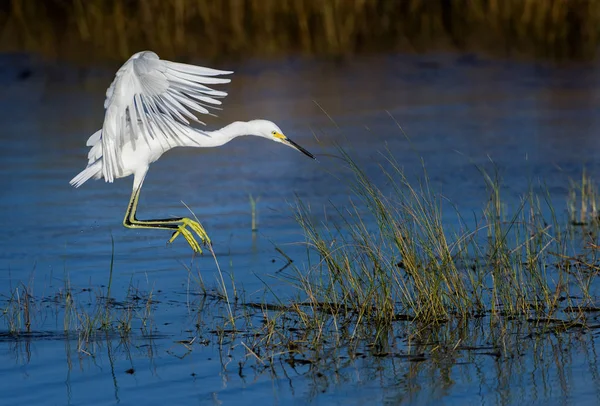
x=220, y=137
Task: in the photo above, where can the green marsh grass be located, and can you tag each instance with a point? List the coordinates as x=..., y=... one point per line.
x=583, y=195
x=85, y=313
x=390, y=265
x=18, y=310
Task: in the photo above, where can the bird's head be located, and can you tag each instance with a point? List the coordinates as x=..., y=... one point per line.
x=270, y=130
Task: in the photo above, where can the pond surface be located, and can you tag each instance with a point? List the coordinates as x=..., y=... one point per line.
x=533, y=121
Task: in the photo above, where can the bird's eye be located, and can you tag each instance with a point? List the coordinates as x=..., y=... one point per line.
x=273, y=132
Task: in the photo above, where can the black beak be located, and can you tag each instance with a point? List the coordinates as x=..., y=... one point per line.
x=299, y=148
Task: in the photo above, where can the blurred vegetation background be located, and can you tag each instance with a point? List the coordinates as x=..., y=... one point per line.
x=94, y=30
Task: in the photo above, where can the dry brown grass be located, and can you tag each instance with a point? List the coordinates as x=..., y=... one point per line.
x=113, y=29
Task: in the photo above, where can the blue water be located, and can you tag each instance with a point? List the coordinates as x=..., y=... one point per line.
x=534, y=121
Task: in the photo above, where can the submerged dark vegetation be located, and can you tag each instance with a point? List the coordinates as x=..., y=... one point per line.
x=114, y=29
x=398, y=273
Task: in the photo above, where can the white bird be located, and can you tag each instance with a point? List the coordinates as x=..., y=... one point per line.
x=148, y=111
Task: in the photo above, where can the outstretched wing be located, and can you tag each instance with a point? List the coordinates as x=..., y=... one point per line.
x=149, y=98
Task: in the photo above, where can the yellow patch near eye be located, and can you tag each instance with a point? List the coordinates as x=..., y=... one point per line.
x=280, y=136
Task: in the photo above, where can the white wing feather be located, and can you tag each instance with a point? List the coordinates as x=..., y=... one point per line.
x=148, y=90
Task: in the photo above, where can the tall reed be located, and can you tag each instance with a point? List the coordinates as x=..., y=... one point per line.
x=113, y=29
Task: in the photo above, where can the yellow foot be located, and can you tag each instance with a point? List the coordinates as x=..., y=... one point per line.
x=189, y=237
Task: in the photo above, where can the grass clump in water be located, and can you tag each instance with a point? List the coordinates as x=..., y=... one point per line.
x=87, y=315
x=387, y=266
x=18, y=310
x=581, y=203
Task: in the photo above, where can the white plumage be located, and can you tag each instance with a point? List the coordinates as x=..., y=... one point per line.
x=149, y=107
x=153, y=91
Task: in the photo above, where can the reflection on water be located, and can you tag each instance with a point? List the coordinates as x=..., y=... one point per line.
x=533, y=121
x=523, y=365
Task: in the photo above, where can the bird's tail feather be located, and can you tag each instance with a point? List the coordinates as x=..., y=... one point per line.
x=94, y=170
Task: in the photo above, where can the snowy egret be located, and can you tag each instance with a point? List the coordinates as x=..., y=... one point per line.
x=148, y=111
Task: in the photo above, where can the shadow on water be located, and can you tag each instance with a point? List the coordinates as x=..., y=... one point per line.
x=165, y=331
